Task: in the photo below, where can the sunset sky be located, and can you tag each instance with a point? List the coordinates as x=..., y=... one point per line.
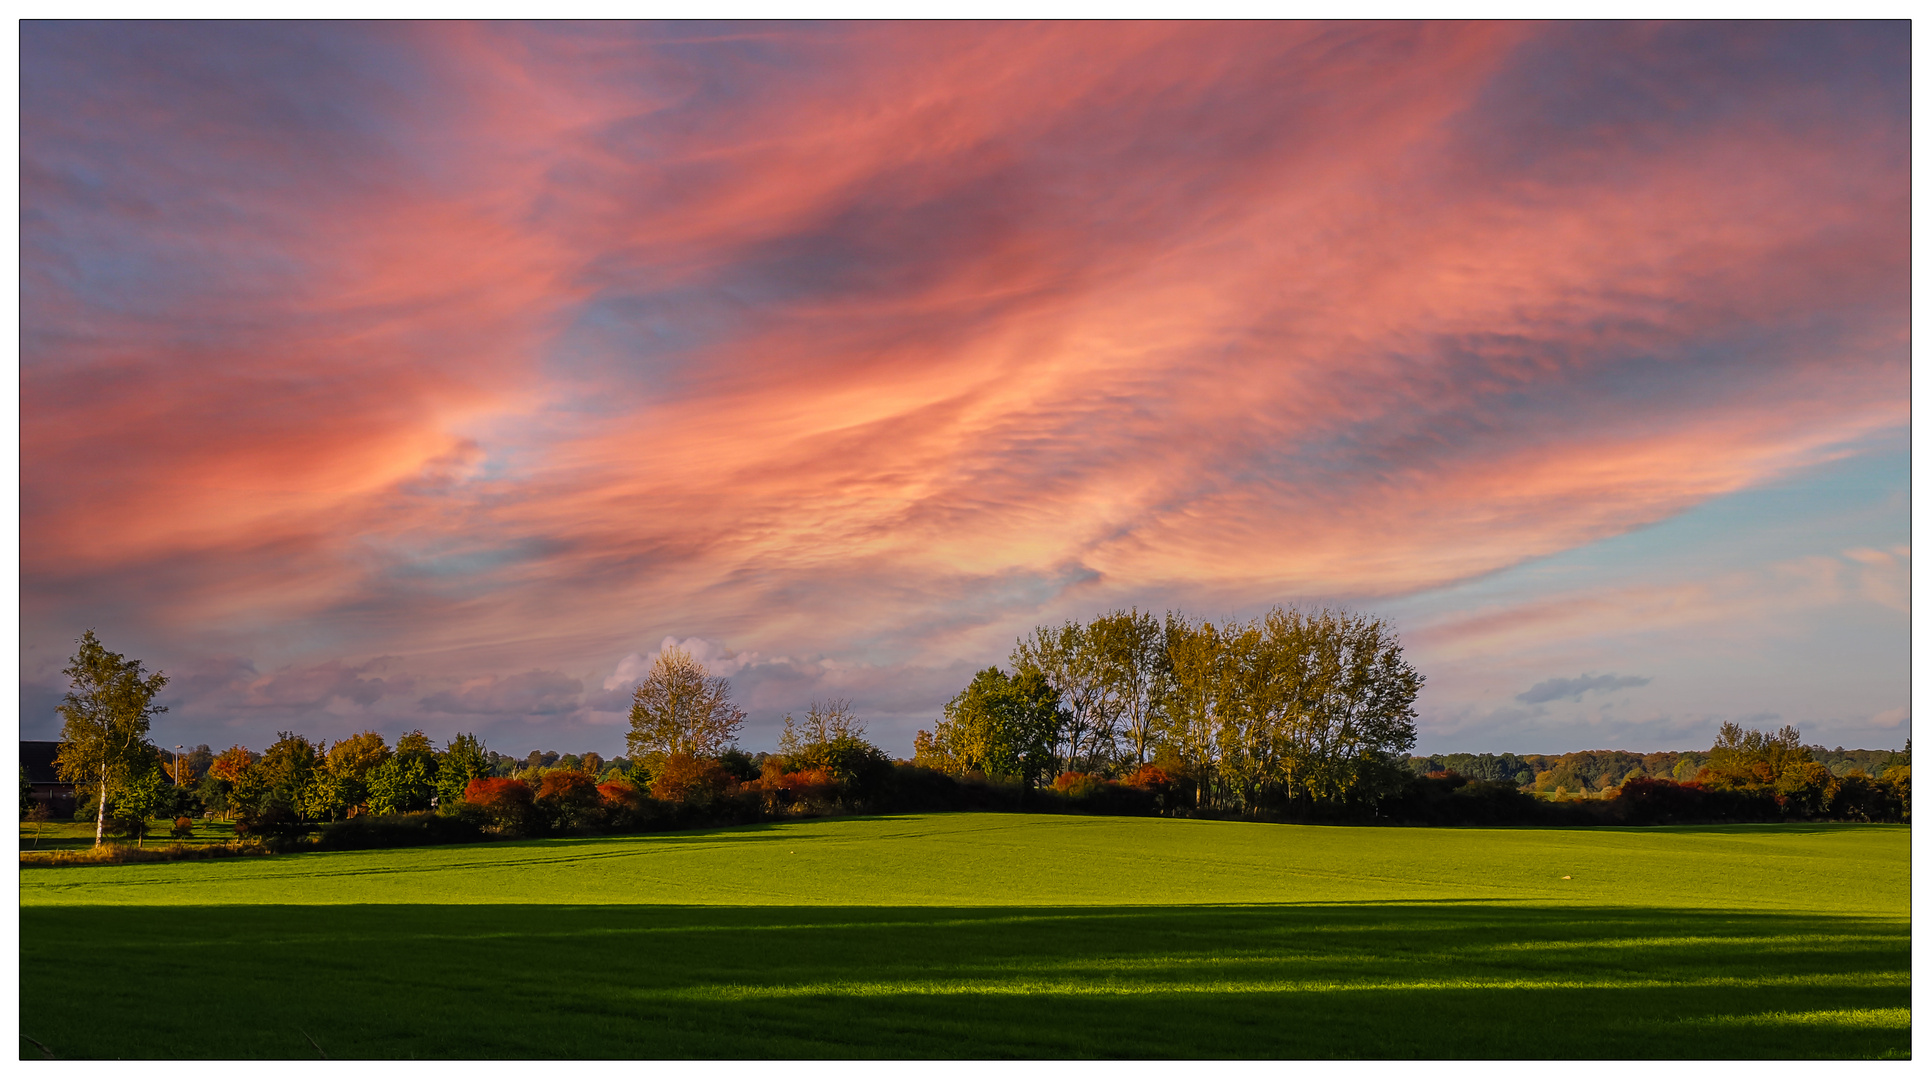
x=437, y=375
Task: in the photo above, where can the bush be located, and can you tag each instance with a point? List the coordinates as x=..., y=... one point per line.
x=569, y=800
x=1078, y=785
x=692, y=781
x=398, y=830
x=509, y=803
x=275, y=825
x=183, y=828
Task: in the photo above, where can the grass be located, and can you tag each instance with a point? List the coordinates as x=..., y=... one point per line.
x=996, y=935
x=75, y=835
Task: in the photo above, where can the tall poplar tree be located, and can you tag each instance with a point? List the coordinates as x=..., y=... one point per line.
x=105, y=719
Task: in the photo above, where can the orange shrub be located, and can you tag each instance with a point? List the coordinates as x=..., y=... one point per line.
x=617, y=794
x=687, y=779
x=1151, y=777
x=1077, y=784
x=568, y=785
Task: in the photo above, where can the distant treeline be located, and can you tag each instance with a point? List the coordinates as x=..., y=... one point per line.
x=1591, y=772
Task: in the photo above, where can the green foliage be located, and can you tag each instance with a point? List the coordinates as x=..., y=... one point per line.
x=330, y=796
x=415, y=743
x=357, y=756
x=403, y=784
x=466, y=759
x=139, y=799
x=1749, y=758
x=1000, y=725
x=212, y=791
x=290, y=764
x=105, y=718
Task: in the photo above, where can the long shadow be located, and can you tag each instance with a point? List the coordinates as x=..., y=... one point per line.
x=1470, y=980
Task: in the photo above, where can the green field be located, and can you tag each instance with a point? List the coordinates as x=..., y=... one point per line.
x=78, y=835
x=983, y=935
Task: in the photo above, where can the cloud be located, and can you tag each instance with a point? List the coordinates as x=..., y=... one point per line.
x=317, y=685
x=716, y=659
x=501, y=346
x=1573, y=689
x=1891, y=718
x=533, y=693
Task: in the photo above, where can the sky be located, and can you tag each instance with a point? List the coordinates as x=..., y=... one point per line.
x=440, y=375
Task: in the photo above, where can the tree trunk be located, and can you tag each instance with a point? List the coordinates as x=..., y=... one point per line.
x=100, y=811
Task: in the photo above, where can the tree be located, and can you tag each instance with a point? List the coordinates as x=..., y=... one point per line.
x=358, y=755
x=279, y=784
x=141, y=798
x=831, y=739
x=681, y=708
x=402, y=784
x=1002, y=725
x=231, y=763
x=1134, y=674
x=1066, y=658
x=1193, y=707
x=105, y=720
x=694, y=780
x=415, y=742
x=1360, y=716
x=509, y=803
x=569, y=799
x=1751, y=758
x=466, y=759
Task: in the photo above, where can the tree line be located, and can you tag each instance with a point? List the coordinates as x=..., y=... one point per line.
x=1291, y=716
x=1289, y=710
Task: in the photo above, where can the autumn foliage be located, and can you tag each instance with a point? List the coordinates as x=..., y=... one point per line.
x=618, y=795
x=1079, y=785
x=231, y=763
x=508, y=803
x=792, y=789
x=570, y=799
x=688, y=779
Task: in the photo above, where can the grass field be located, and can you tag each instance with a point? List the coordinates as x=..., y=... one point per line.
x=971, y=935
x=76, y=835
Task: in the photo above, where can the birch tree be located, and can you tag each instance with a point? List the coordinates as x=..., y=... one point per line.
x=105, y=719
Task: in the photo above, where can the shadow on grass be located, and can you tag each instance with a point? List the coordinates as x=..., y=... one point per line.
x=1370, y=980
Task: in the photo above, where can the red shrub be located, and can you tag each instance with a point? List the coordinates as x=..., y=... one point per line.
x=511, y=804
x=568, y=785
x=497, y=792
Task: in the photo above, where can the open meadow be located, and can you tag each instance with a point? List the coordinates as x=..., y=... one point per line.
x=994, y=935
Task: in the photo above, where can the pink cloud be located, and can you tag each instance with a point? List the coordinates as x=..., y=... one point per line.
x=868, y=344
